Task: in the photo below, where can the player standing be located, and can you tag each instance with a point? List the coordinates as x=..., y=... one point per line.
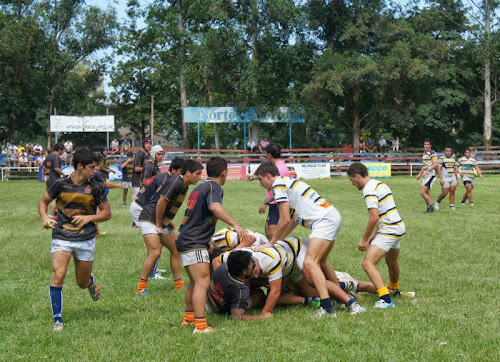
x=447, y=177
x=78, y=198
x=465, y=168
x=127, y=173
x=428, y=174
x=203, y=210
x=383, y=232
x=140, y=159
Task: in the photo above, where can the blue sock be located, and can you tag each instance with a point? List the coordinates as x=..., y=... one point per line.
x=348, y=304
x=342, y=285
x=92, y=280
x=326, y=304
x=386, y=298
x=153, y=272
x=56, y=300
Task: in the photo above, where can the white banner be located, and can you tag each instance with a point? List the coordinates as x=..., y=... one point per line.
x=82, y=124
x=305, y=171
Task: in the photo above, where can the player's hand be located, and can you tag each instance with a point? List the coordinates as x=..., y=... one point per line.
x=80, y=220
x=249, y=178
x=171, y=226
x=482, y=177
x=242, y=234
x=263, y=246
x=262, y=208
x=441, y=180
x=160, y=230
x=266, y=315
x=363, y=243
x=48, y=223
x=418, y=177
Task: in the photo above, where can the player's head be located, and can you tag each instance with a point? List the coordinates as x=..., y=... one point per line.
x=85, y=160
x=216, y=166
x=427, y=144
x=358, y=174
x=241, y=264
x=273, y=151
x=467, y=152
x=191, y=170
x=448, y=150
x=266, y=174
x=58, y=147
x=157, y=153
x=100, y=159
x=130, y=154
x=175, y=168
x=146, y=144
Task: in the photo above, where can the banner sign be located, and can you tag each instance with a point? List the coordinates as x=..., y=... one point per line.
x=232, y=115
x=307, y=171
x=378, y=169
x=82, y=124
x=113, y=176
x=235, y=171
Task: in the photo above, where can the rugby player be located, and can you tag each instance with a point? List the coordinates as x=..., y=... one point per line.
x=140, y=159
x=127, y=173
x=465, y=168
x=152, y=167
x=78, y=197
x=53, y=169
x=428, y=174
x=447, y=177
x=383, y=232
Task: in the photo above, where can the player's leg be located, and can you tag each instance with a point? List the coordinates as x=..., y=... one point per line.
x=200, y=273
x=272, y=219
x=188, y=318
x=154, y=246
x=391, y=259
x=372, y=257
x=85, y=279
x=425, y=193
x=452, y=196
x=124, y=195
x=443, y=194
x=470, y=197
x=60, y=261
x=175, y=263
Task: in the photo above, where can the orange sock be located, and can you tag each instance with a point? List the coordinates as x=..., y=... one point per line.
x=200, y=323
x=179, y=284
x=393, y=286
x=143, y=284
x=188, y=317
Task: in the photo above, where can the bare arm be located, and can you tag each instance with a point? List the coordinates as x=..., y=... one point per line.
x=110, y=185
x=283, y=223
x=478, y=171
x=127, y=161
x=272, y=297
x=161, y=205
x=372, y=222
x=43, y=204
x=103, y=215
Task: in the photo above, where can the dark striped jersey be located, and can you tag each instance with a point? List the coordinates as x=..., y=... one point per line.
x=52, y=162
x=128, y=172
x=150, y=170
x=226, y=293
x=140, y=160
x=149, y=189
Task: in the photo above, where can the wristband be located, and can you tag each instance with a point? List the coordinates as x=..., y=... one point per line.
x=266, y=202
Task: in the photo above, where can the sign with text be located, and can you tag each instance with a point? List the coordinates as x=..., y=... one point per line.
x=378, y=169
x=82, y=124
x=307, y=171
x=232, y=115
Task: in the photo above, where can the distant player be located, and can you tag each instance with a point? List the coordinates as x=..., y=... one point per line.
x=156, y=225
x=78, y=198
x=383, y=232
x=465, y=168
x=127, y=173
x=53, y=168
x=152, y=167
x=428, y=174
x=140, y=159
x=323, y=218
x=447, y=177
x=203, y=210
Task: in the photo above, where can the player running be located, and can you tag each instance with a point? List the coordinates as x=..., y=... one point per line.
x=465, y=168
x=428, y=174
x=447, y=177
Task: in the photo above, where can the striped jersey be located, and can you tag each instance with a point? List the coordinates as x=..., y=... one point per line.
x=308, y=204
x=227, y=239
x=428, y=159
x=448, y=165
x=467, y=166
x=378, y=195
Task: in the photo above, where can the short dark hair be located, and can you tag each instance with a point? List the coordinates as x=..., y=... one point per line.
x=448, y=146
x=238, y=261
x=267, y=167
x=176, y=163
x=58, y=147
x=467, y=149
x=130, y=154
x=274, y=150
x=215, y=166
x=100, y=158
x=428, y=140
x=357, y=168
x=191, y=166
x=84, y=156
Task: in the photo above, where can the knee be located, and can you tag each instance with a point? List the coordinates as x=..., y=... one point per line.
x=310, y=263
x=83, y=283
x=367, y=265
x=154, y=253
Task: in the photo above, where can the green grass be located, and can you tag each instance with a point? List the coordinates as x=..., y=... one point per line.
x=450, y=259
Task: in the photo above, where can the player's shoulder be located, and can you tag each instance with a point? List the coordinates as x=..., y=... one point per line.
x=432, y=153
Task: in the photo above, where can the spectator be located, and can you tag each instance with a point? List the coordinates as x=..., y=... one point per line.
x=382, y=144
x=68, y=148
x=370, y=144
x=263, y=145
x=395, y=144
x=11, y=155
x=37, y=152
x=114, y=146
x=361, y=144
x=23, y=159
x=251, y=145
x=125, y=146
x=29, y=148
x=41, y=158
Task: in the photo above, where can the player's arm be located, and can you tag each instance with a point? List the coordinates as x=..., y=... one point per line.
x=434, y=164
x=137, y=164
x=478, y=171
x=272, y=297
x=161, y=206
x=127, y=161
x=104, y=214
x=43, y=204
x=222, y=214
x=439, y=169
x=283, y=224
x=239, y=314
x=110, y=185
x=370, y=227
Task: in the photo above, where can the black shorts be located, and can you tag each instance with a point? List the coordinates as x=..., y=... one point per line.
x=274, y=215
x=468, y=182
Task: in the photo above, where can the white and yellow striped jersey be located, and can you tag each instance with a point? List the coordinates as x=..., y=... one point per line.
x=378, y=195
x=308, y=204
x=428, y=158
x=467, y=166
x=448, y=165
x=227, y=239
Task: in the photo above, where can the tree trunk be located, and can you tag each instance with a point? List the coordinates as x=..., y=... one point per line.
x=183, y=93
x=254, y=34
x=210, y=103
x=356, y=120
x=487, y=134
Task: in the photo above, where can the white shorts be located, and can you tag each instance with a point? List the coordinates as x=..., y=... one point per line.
x=135, y=211
x=343, y=276
x=449, y=181
x=126, y=185
x=136, y=190
x=194, y=257
x=467, y=180
x=386, y=243
x=328, y=227
x=429, y=181
x=148, y=228
x=81, y=250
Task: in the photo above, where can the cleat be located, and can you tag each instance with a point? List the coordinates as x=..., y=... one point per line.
x=160, y=271
x=94, y=289
x=471, y=204
x=124, y=203
x=58, y=326
x=157, y=276
x=143, y=292
x=452, y=207
x=322, y=313
x=436, y=205
x=383, y=305
x=462, y=203
x=315, y=303
x=179, y=289
x=206, y=330
x=430, y=209
x=355, y=308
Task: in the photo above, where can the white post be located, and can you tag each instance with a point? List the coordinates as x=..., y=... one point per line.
x=107, y=132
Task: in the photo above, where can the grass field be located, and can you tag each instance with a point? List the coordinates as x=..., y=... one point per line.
x=450, y=259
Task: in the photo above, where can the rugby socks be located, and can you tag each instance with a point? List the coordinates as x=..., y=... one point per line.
x=188, y=318
x=56, y=301
x=153, y=272
x=383, y=293
x=143, y=284
x=200, y=323
x=349, y=303
x=179, y=284
x=394, y=286
x=326, y=304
